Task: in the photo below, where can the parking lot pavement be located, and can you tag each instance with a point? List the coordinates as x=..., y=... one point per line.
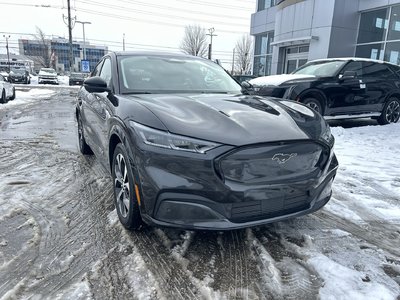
x=60, y=237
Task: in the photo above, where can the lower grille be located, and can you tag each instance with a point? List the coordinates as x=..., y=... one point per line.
x=269, y=208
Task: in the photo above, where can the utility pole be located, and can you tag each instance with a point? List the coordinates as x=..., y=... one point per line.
x=211, y=34
x=123, y=42
x=71, y=57
x=8, y=52
x=84, y=39
x=233, y=61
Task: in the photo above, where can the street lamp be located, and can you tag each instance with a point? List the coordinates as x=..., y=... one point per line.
x=84, y=40
x=8, y=52
x=211, y=34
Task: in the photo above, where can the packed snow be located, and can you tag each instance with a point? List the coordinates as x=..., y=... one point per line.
x=60, y=237
x=275, y=80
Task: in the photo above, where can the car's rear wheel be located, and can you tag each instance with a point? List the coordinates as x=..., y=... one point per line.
x=390, y=112
x=314, y=103
x=3, y=98
x=13, y=95
x=83, y=147
x=125, y=190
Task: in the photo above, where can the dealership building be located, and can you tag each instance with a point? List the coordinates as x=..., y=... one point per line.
x=288, y=33
x=56, y=52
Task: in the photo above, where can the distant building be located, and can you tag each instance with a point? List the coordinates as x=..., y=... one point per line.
x=55, y=53
x=15, y=61
x=288, y=33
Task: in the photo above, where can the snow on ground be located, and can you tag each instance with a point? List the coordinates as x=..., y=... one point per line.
x=60, y=237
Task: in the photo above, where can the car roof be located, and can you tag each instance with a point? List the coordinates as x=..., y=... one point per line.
x=154, y=53
x=352, y=59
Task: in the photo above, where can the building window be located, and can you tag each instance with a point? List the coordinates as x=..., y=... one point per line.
x=379, y=35
x=264, y=4
x=263, y=54
x=373, y=26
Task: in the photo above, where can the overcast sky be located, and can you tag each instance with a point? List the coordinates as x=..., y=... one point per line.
x=147, y=24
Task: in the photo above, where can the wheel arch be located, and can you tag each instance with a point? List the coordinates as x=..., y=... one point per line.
x=314, y=93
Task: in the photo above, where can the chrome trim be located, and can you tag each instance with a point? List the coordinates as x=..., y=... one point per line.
x=355, y=116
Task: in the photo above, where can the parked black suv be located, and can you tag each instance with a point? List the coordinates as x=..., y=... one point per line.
x=340, y=88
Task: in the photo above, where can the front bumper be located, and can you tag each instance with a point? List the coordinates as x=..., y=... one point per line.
x=188, y=191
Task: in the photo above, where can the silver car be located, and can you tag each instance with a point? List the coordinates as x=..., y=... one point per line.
x=47, y=75
x=7, y=90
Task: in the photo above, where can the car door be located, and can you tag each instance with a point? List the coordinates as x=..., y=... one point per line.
x=103, y=109
x=380, y=82
x=4, y=84
x=348, y=93
x=88, y=103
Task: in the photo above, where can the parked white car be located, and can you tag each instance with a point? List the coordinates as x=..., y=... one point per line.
x=7, y=90
x=48, y=75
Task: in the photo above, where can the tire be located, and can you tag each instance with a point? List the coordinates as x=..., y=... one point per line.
x=126, y=202
x=83, y=147
x=13, y=95
x=3, y=98
x=314, y=103
x=390, y=112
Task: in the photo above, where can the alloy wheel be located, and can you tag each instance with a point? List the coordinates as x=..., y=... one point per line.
x=121, y=185
x=392, y=113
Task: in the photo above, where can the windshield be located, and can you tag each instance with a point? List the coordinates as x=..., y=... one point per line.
x=77, y=75
x=18, y=71
x=321, y=68
x=172, y=74
x=47, y=70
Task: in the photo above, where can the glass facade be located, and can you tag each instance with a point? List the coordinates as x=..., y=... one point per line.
x=61, y=51
x=379, y=35
x=263, y=54
x=264, y=4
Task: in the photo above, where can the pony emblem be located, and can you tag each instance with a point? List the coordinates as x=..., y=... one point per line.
x=282, y=158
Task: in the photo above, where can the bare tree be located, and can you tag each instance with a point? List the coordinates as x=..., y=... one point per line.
x=41, y=55
x=243, y=55
x=195, y=41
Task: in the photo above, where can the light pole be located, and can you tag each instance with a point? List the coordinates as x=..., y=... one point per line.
x=84, y=39
x=211, y=34
x=8, y=52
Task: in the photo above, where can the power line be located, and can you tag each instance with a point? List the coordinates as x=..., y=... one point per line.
x=175, y=9
x=169, y=16
x=115, y=16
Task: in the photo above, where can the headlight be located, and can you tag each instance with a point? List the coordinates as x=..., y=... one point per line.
x=167, y=140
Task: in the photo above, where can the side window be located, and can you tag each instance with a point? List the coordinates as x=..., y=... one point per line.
x=376, y=70
x=96, y=70
x=106, y=71
x=355, y=66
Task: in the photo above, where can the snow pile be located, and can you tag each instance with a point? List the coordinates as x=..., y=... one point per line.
x=275, y=80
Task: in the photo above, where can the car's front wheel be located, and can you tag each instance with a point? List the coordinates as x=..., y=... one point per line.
x=390, y=112
x=314, y=103
x=125, y=190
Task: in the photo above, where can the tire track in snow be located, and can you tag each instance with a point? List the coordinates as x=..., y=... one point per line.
x=285, y=274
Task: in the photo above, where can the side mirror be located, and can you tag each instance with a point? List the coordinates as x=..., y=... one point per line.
x=96, y=84
x=247, y=88
x=349, y=75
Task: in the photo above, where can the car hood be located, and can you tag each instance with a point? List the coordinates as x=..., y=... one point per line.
x=275, y=80
x=233, y=120
x=47, y=74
